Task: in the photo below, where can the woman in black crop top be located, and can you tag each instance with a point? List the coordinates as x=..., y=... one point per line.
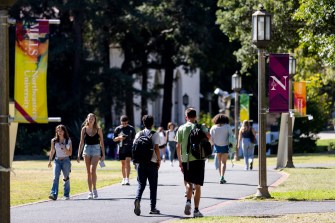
x=246, y=136
x=91, y=139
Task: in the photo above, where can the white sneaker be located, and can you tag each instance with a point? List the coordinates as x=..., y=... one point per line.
x=171, y=164
x=187, y=210
x=66, y=198
x=90, y=195
x=123, y=182
x=126, y=182
x=95, y=194
x=197, y=214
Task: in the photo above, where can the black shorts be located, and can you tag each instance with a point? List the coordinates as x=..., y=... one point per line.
x=195, y=173
x=125, y=152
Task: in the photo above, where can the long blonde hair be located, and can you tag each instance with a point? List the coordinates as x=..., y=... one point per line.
x=245, y=126
x=95, y=124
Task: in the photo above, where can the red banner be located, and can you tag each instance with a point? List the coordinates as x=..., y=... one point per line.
x=279, y=83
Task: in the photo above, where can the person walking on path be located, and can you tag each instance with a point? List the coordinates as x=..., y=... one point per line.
x=162, y=142
x=124, y=134
x=219, y=134
x=193, y=169
x=247, y=137
x=148, y=170
x=91, y=139
x=171, y=141
x=61, y=145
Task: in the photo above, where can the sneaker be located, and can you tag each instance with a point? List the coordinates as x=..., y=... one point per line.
x=154, y=211
x=222, y=180
x=197, y=214
x=251, y=164
x=95, y=194
x=90, y=195
x=126, y=182
x=52, y=197
x=187, y=210
x=66, y=198
x=137, y=209
x=123, y=182
x=171, y=164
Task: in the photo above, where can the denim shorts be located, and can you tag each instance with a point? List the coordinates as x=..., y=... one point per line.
x=221, y=149
x=92, y=150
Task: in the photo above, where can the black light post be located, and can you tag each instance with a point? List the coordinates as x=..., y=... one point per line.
x=261, y=36
x=292, y=70
x=4, y=113
x=236, y=86
x=185, y=100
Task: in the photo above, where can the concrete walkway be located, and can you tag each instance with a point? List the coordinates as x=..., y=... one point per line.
x=115, y=203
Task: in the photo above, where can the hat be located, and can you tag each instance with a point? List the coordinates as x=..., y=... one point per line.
x=124, y=118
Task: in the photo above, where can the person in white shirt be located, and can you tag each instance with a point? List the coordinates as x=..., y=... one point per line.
x=219, y=134
x=62, y=146
x=148, y=170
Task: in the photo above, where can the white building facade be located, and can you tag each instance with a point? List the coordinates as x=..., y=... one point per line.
x=185, y=83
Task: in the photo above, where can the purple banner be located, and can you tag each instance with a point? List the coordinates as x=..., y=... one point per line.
x=279, y=83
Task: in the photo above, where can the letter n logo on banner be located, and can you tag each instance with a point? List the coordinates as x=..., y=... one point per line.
x=31, y=61
x=300, y=99
x=279, y=83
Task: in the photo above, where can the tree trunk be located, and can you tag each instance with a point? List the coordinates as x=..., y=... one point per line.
x=167, y=96
x=144, y=95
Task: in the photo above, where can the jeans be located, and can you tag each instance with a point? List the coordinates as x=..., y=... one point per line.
x=147, y=171
x=63, y=165
x=172, y=150
x=248, y=151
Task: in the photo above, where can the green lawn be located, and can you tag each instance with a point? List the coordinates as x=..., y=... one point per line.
x=34, y=179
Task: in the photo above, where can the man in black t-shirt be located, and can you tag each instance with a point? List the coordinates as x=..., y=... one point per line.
x=124, y=135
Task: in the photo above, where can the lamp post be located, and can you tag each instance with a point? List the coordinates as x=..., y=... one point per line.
x=185, y=100
x=261, y=36
x=209, y=99
x=4, y=113
x=292, y=70
x=236, y=85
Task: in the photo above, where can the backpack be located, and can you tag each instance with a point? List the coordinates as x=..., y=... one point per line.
x=198, y=143
x=142, y=149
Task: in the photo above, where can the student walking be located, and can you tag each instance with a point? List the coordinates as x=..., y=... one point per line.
x=219, y=134
x=247, y=137
x=171, y=141
x=148, y=170
x=61, y=145
x=91, y=139
x=193, y=169
x=124, y=134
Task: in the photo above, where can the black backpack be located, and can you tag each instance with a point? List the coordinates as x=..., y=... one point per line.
x=198, y=143
x=142, y=149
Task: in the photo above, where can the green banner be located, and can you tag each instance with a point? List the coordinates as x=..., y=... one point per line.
x=244, y=107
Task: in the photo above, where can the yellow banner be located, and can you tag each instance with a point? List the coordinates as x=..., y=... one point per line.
x=244, y=107
x=300, y=102
x=31, y=61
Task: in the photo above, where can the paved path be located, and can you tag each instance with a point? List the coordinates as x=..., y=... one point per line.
x=115, y=203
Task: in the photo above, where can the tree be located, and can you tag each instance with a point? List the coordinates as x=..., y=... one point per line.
x=317, y=35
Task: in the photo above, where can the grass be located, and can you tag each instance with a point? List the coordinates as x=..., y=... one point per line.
x=34, y=179
x=325, y=142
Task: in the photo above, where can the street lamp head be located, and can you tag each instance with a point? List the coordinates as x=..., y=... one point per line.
x=261, y=28
x=292, y=66
x=236, y=82
x=185, y=100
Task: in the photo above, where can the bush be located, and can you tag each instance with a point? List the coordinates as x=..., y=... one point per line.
x=32, y=143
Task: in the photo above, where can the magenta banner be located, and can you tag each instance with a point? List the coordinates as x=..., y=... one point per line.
x=279, y=83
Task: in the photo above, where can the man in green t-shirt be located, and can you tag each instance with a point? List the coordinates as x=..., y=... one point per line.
x=193, y=169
